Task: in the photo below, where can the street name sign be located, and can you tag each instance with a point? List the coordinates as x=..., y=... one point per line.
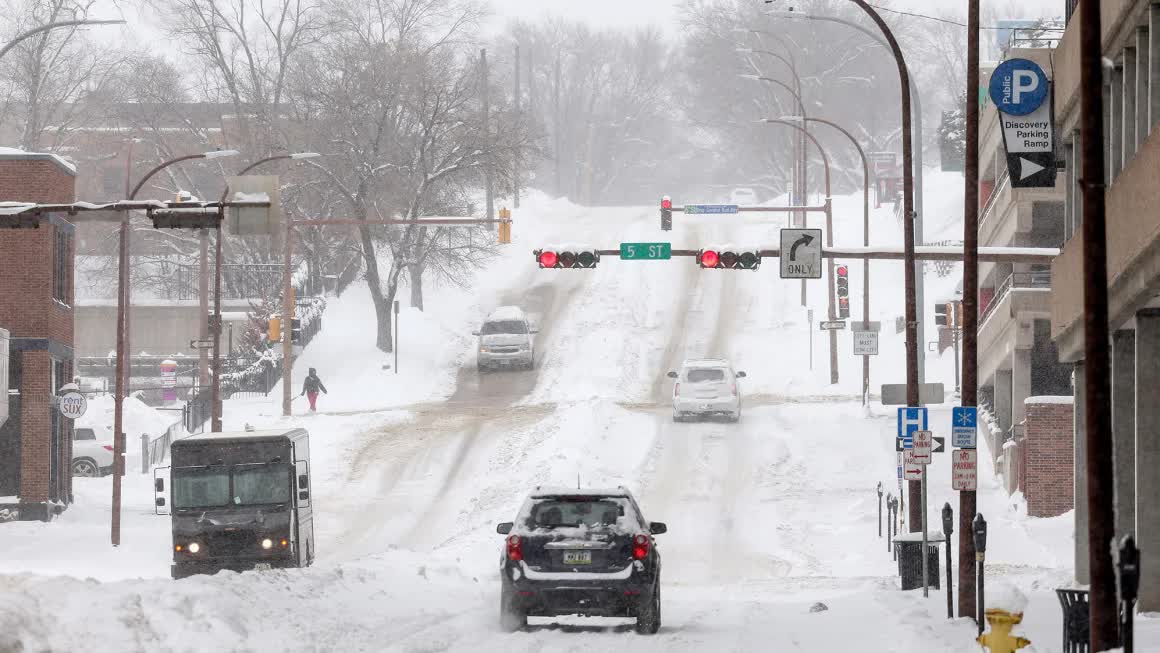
x=646, y=251
x=965, y=470
x=923, y=445
x=964, y=427
x=894, y=394
x=832, y=326
x=910, y=419
x=710, y=209
x=801, y=254
x=865, y=342
x=1022, y=94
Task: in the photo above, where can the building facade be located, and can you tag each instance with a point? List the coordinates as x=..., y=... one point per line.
x=1131, y=102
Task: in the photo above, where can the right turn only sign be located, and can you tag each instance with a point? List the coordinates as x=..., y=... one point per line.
x=1022, y=94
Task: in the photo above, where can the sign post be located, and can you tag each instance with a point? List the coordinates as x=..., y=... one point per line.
x=396, y=336
x=1022, y=94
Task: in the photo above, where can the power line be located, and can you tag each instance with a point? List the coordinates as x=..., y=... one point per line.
x=924, y=16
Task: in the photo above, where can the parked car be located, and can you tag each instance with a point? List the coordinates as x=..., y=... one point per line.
x=505, y=340
x=580, y=552
x=705, y=388
x=91, y=457
x=743, y=197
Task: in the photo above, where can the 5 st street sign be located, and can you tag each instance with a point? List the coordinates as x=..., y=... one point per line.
x=1022, y=94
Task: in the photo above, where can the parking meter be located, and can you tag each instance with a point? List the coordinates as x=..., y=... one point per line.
x=1128, y=570
x=980, y=528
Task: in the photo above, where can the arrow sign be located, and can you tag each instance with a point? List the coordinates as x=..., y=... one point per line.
x=1027, y=167
x=939, y=444
x=806, y=239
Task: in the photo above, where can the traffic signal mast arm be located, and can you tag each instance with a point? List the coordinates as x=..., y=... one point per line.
x=1040, y=255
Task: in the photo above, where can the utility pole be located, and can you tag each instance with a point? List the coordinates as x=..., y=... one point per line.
x=1104, y=615
x=486, y=99
x=556, y=126
x=516, y=153
x=970, y=385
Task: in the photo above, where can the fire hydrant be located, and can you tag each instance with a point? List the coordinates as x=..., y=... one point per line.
x=1000, y=639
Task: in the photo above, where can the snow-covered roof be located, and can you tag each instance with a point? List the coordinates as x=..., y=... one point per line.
x=506, y=313
x=16, y=154
x=237, y=435
x=571, y=491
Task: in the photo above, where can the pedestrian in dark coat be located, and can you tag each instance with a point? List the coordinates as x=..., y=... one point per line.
x=310, y=388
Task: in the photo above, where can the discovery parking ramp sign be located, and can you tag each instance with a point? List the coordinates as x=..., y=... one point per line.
x=1022, y=94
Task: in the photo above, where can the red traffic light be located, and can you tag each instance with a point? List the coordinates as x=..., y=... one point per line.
x=548, y=259
x=666, y=203
x=843, y=270
x=709, y=259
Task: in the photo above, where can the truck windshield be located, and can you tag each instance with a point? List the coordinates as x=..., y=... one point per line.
x=504, y=326
x=256, y=484
x=201, y=487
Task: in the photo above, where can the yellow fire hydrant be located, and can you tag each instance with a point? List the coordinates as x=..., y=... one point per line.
x=1000, y=639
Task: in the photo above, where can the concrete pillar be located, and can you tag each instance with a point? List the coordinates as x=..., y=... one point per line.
x=1153, y=16
x=1115, y=113
x=1020, y=384
x=1148, y=456
x=1124, y=428
x=1003, y=399
x=1128, y=108
x=1143, y=88
x=1082, y=571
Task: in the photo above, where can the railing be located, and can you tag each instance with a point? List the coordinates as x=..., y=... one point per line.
x=993, y=199
x=1041, y=279
x=1033, y=37
x=159, y=446
x=198, y=410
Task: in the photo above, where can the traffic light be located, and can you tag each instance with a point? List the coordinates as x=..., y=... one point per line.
x=941, y=317
x=843, y=291
x=728, y=259
x=567, y=258
x=666, y=213
x=274, y=329
x=295, y=331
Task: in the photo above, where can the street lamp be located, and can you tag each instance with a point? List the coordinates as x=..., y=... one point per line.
x=865, y=237
x=216, y=387
x=50, y=26
x=122, y=340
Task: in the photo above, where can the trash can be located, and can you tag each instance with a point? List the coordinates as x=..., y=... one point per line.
x=1076, y=628
x=910, y=563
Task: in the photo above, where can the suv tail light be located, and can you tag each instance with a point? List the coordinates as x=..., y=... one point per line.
x=676, y=388
x=515, y=548
x=734, y=389
x=107, y=447
x=640, y=545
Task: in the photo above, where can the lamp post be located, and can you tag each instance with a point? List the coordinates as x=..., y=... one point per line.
x=829, y=238
x=916, y=125
x=865, y=239
x=56, y=25
x=120, y=386
x=215, y=396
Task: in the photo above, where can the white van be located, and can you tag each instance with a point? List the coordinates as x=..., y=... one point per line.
x=505, y=340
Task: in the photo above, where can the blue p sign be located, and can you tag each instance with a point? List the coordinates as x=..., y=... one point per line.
x=1018, y=87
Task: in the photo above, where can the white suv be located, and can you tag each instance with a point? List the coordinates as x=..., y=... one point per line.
x=743, y=197
x=91, y=457
x=706, y=387
x=505, y=340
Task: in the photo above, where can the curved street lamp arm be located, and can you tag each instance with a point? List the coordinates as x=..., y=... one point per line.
x=159, y=168
x=796, y=96
x=50, y=26
x=813, y=139
x=253, y=165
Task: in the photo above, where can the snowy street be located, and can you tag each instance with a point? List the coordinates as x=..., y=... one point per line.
x=766, y=518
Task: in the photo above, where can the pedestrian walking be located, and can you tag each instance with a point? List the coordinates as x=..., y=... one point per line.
x=310, y=388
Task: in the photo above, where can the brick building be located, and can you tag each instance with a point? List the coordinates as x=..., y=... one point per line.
x=36, y=300
x=1047, y=457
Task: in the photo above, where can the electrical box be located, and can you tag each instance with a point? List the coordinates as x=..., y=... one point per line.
x=3, y=377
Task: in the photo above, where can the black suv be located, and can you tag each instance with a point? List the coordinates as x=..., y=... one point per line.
x=583, y=552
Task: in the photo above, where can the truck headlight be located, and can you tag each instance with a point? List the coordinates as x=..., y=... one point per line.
x=267, y=543
x=483, y=350
x=194, y=547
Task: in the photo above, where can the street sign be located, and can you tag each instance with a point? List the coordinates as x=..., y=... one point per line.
x=901, y=461
x=939, y=445
x=710, y=209
x=646, y=251
x=201, y=344
x=832, y=326
x=72, y=405
x=801, y=254
x=964, y=427
x=865, y=342
x=910, y=419
x=894, y=394
x=1022, y=93
x=858, y=325
x=923, y=444
x=911, y=469
x=965, y=469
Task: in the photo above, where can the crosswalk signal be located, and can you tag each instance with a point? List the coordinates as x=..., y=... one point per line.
x=579, y=258
x=728, y=259
x=843, y=291
x=295, y=331
x=941, y=317
x=666, y=213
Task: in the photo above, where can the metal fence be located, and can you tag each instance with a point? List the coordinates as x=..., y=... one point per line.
x=1039, y=279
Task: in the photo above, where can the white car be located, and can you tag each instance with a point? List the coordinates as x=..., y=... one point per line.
x=505, y=340
x=706, y=387
x=743, y=197
x=91, y=457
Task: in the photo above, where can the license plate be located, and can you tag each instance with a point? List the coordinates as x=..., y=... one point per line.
x=704, y=406
x=262, y=566
x=577, y=557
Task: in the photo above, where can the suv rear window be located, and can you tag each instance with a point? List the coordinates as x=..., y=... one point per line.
x=571, y=512
x=84, y=434
x=505, y=326
x=702, y=375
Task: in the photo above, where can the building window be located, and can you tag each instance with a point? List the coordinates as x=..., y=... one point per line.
x=62, y=269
